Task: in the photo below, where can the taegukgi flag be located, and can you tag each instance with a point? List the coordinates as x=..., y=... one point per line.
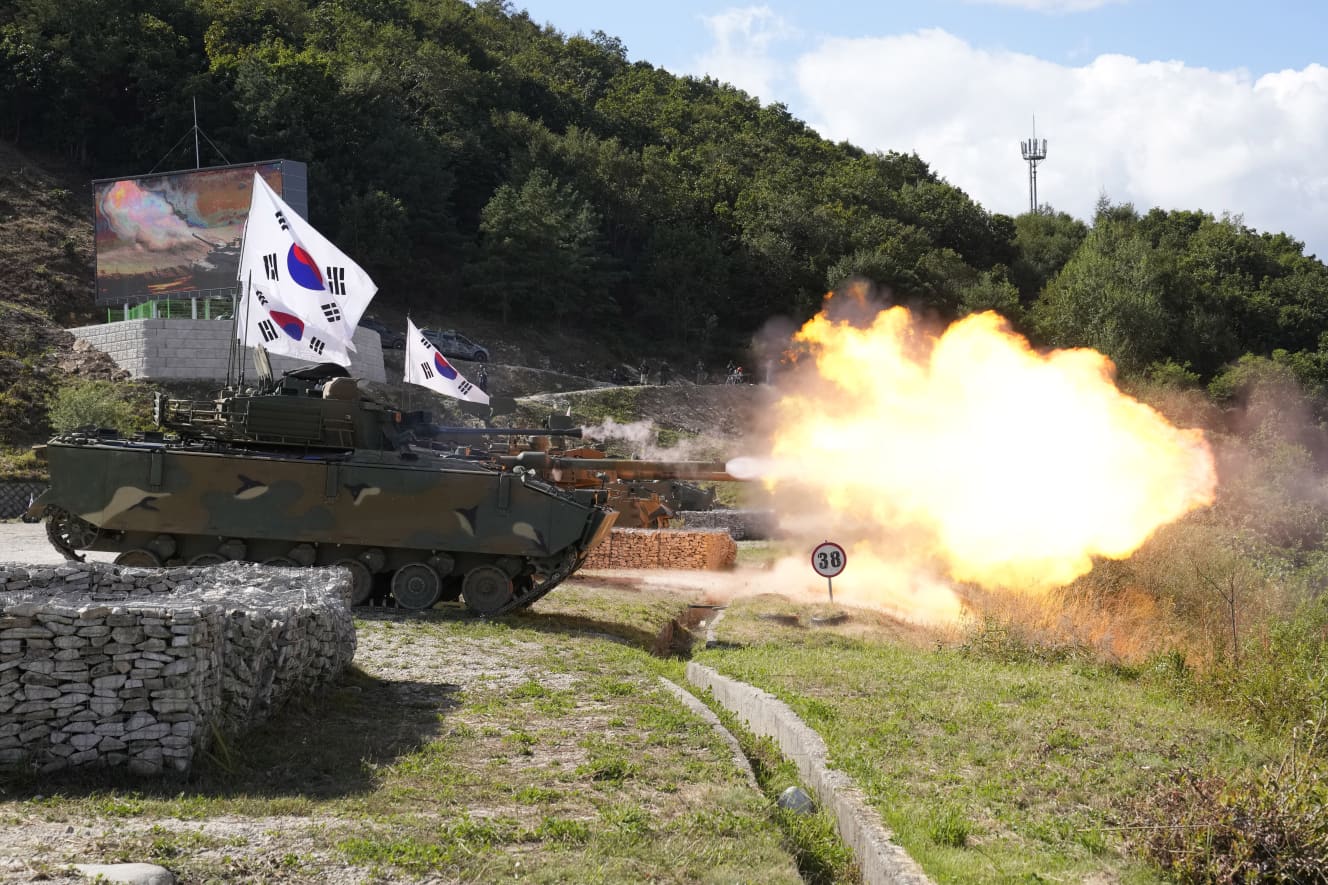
x=268, y=323
x=300, y=269
x=427, y=367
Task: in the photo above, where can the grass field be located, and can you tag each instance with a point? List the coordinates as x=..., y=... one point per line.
x=988, y=768
x=542, y=748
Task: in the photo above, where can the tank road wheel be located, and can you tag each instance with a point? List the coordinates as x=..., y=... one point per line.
x=204, y=559
x=280, y=562
x=303, y=554
x=68, y=532
x=361, y=580
x=416, y=586
x=138, y=558
x=486, y=589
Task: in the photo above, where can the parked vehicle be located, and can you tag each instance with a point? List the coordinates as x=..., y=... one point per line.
x=453, y=345
x=393, y=339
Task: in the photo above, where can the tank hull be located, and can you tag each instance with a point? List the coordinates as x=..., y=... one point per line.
x=386, y=510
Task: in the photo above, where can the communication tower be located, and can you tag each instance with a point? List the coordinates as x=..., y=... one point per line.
x=1034, y=152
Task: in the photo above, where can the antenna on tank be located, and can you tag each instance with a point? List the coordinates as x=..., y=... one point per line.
x=1034, y=152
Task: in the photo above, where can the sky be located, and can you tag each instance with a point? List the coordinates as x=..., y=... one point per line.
x=1220, y=106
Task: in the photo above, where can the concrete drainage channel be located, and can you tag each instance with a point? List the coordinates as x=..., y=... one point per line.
x=880, y=859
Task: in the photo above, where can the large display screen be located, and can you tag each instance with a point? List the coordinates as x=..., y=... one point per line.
x=178, y=234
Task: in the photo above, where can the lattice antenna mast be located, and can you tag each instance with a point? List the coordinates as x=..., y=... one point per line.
x=1034, y=152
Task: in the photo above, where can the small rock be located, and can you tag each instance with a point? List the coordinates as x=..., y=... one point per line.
x=795, y=800
x=127, y=873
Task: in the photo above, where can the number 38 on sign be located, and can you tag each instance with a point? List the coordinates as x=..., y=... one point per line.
x=829, y=559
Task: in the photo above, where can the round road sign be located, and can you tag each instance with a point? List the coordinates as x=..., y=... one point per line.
x=829, y=559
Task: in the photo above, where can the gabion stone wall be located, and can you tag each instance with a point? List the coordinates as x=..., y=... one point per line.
x=742, y=525
x=664, y=548
x=106, y=665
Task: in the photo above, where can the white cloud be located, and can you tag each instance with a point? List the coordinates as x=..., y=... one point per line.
x=744, y=38
x=1049, y=6
x=1152, y=133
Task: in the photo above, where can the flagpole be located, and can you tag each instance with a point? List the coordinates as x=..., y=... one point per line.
x=248, y=297
x=234, y=355
x=405, y=401
x=230, y=345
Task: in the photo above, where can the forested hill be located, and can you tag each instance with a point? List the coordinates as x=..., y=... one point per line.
x=472, y=159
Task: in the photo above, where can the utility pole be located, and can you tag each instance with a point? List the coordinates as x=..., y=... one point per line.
x=1034, y=152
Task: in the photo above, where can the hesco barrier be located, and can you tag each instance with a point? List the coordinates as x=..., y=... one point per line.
x=665, y=548
x=16, y=496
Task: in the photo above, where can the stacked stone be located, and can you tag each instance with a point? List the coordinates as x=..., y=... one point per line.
x=664, y=549
x=103, y=665
x=742, y=525
x=274, y=654
x=708, y=550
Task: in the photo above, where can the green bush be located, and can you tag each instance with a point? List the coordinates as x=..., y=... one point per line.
x=91, y=404
x=19, y=465
x=1280, y=681
x=1265, y=826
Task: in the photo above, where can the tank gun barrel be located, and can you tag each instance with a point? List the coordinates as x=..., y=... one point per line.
x=439, y=430
x=622, y=468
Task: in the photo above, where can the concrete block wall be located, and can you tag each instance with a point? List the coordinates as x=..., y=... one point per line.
x=664, y=548
x=102, y=665
x=177, y=349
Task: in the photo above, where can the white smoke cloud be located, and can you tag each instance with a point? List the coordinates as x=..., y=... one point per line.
x=640, y=439
x=1153, y=133
x=742, y=53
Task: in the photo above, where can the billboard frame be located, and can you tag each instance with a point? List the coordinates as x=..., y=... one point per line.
x=293, y=178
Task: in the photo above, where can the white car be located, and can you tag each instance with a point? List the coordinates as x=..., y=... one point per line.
x=454, y=345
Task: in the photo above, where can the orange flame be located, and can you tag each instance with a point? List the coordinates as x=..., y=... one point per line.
x=971, y=456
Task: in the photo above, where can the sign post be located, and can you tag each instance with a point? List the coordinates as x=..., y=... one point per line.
x=828, y=560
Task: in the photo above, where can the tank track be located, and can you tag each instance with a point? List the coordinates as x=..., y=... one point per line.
x=540, y=590
x=58, y=522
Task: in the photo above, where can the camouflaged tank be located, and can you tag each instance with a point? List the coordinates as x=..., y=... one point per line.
x=305, y=471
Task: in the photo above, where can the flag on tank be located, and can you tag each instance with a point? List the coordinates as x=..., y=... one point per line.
x=266, y=321
x=427, y=367
x=300, y=269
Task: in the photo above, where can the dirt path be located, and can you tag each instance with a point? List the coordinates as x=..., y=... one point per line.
x=20, y=542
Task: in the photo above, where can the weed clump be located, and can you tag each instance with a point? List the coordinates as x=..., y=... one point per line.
x=1264, y=826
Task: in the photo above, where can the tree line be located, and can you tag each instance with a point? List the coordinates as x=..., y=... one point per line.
x=470, y=157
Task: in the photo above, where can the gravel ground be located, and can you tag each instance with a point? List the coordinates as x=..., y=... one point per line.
x=21, y=542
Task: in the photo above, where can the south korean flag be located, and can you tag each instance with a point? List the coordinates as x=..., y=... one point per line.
x=267, y=322
x=427, y=367
x=300, y=268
